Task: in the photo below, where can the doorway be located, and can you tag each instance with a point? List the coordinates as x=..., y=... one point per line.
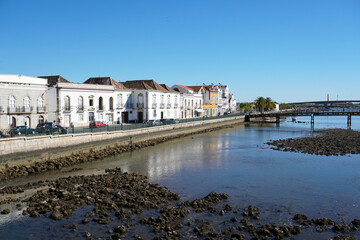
x=13, y=122
x=27, y=122
x=125, y=117
x=140, y=117
x=162, y=115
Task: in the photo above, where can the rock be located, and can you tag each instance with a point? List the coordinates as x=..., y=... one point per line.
x=5, y=211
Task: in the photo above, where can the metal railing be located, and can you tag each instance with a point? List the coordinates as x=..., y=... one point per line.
x=20, y=109
x=168, y=105
x=176, y=105
x=154, y=105
x=41, y=109
x=140, y=105
x=120, y=106
x=162, y=105
x=108, y=128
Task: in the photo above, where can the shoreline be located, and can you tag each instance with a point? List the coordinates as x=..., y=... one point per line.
x=42, y=163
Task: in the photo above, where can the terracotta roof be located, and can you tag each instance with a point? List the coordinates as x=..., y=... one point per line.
x=144, y=85
x=185, y=87
x=105, y=81
x=169, y=89
x=53, y=80
x=195, y=88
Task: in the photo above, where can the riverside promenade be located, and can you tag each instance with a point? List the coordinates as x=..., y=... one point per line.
x=27, y=150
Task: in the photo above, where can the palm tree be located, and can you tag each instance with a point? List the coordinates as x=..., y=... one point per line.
x=260, y=103
x=269, y=103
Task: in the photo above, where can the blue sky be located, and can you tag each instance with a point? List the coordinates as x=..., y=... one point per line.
x=288, y=50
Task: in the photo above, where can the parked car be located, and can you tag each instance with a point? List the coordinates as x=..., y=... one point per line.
x=173, y=120
x=44, y=127
x=3, y=135
x=21, y=130
x=97, y=124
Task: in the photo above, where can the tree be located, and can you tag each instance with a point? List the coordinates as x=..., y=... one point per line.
x=245, y=106
x=260, y=103
x=269, y=103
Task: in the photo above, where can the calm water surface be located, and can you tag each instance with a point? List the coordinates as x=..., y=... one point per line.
x=234, y=161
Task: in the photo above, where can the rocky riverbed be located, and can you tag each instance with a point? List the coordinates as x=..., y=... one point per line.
x=330, y=142
x=127, y=206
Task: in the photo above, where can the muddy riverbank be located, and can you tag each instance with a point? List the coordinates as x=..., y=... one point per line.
x=38, y=164
x=330, y=142
x=126, y=205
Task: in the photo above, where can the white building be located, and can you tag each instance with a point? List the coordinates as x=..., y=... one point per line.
x=23, y=101
x=78, y=104
x=192, y=102
x=150, y=100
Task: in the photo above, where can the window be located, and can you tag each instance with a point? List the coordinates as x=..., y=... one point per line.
x=12, y=102
x=67, y=103
x=40, y=102
x=175, y=99
x=111, y=103
x=120, y=101
x=140, y=98
x=27, y=102
x=101, y=106
x=81, y=103
x=80, y=117
x=168, y=99
x=154, y=98
x=162, y=99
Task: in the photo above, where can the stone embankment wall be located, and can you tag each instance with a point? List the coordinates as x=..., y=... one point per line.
x=40, y=143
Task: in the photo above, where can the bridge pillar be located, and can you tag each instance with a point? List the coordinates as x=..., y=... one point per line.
x=277, y=118
x=312, y=120
x=349, y=120
x=247, y=118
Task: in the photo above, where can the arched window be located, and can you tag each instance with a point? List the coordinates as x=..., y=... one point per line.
x=168, y=99
x=40, y=102
x=27, y=121
x=12, y=102
x=67, y=103
x=154, y=98
x=101, y=106
x=27, y=102
x=81, y=103
x=162, y=99
x=120, y=101
x=111, y=103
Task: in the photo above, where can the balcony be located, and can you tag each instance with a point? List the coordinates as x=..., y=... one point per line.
x=168, y=105
x=41, y=109
x=154, y=105
x=120, y=106
x=91, y=108
x=67, y=109
x=129, y=105
x=140, y=105
x=100, y=108
x=80, y=108
x=19, y=110
x=162, y=105
x=176, y=105
x=111, y=109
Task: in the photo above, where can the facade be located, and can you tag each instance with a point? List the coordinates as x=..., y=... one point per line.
x=23, y=101
x=191, y=102
x=150, y=101
x=228, y=102
x=78, y=104
x=210, y=99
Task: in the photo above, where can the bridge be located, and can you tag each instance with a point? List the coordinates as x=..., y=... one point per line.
x=303, y=113
x=339, y=103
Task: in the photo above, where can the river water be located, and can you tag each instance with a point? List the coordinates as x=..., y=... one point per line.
x=237, y=162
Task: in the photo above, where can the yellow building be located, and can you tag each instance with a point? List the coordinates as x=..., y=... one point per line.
x=210, y=105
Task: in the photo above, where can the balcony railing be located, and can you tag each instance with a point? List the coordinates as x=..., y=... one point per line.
x=176, y=105
x=129, y=105
x=154, y=105
x=100, y=108
x=162, y=105
x=120, y=106
x=67, y=108
x=41, y=109
x=20, y=109
x=91, y=108
x=140, y=105
x=80, y=108
x=111, y=109
x=168, y=105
